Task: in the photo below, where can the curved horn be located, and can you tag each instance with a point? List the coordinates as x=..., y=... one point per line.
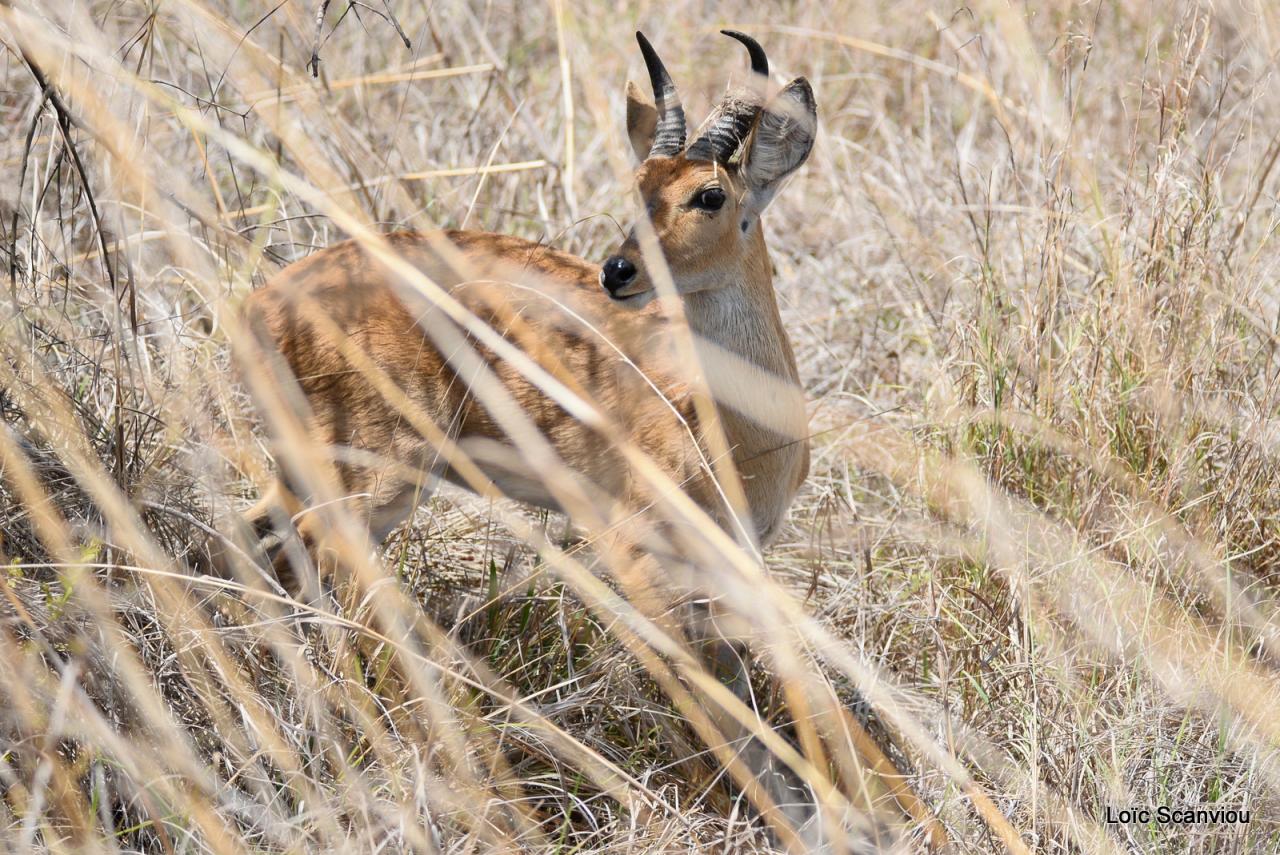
x=729, y=125
x=668, y=137
x=759, y=61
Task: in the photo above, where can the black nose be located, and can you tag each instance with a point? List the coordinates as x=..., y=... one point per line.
x=617, y=273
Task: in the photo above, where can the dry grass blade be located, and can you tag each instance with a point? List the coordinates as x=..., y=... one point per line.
x=1029, y=271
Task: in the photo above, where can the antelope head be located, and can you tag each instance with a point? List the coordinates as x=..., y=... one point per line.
x=704, y=202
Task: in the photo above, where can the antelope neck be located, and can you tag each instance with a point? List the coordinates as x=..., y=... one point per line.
x=743, y=319
x=742, y=316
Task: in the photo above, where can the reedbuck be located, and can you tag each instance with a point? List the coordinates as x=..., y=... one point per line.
x=483, y=381
x=394, y=386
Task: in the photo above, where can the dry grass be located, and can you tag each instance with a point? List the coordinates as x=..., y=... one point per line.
x=1031, y=275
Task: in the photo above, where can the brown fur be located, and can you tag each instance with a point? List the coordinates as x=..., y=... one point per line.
x=361, y=301
x=724, y=277
x=344, y=325
x=338, y=313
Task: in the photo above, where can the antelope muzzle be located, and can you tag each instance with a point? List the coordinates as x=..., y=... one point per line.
x=621, y=278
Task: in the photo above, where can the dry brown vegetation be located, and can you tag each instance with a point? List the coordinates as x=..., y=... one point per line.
x=1030, y=271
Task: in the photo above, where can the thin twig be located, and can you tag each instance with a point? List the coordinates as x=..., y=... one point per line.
x=22, y=179
x=65, y=122
x=314, y=62
x=399, y=29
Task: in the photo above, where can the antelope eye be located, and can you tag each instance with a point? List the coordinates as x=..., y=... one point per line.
x=711, y=199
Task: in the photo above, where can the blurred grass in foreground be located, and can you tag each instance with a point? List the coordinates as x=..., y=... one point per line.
x=1031, y=274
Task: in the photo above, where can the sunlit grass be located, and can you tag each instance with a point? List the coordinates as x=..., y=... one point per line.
x=1030, y=274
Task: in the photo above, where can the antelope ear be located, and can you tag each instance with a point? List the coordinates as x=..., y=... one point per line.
x=780, y=142
x=642, y=120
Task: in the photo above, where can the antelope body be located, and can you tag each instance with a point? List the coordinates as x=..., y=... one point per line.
x=338, y=314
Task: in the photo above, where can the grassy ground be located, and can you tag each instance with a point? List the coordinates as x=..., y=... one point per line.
x=1030, y=272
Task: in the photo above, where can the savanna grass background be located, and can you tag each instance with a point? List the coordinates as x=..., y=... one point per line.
x=1031, y=275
